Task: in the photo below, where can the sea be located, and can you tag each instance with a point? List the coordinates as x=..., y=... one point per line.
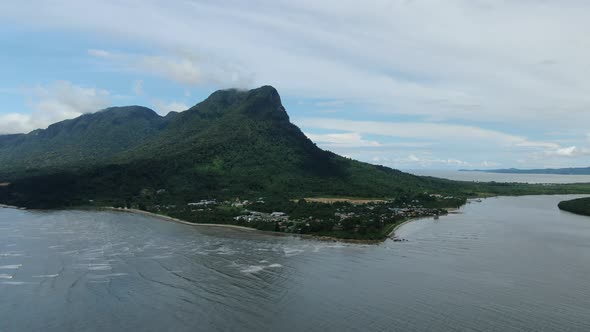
x=502, y=264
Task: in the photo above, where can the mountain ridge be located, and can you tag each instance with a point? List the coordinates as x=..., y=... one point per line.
x=234, y=143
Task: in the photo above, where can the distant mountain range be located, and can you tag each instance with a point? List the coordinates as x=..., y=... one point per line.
x=559, y=171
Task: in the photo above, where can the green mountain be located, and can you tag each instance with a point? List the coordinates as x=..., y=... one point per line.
x=233, y=144
x=86, y=140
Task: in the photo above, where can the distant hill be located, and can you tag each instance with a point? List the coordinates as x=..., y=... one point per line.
x=87, y=140
x=559, y=171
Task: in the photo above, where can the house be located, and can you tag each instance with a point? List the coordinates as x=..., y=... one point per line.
x=203, y=202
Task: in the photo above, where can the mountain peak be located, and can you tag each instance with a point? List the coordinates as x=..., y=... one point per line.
x=266, y=90
x=265, y=102
x=260, y=103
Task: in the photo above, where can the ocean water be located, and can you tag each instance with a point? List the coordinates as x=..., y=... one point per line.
x=505, y=264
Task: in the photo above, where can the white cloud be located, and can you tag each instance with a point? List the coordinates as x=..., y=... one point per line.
x=342, y=140
x=426, y=160
x=423, y=161
x=164, y=108
x=12, y=123
x=186, y=68
x=138, y=87
x=458, y=59
x=426, y=131
x=488, y=164
x=520, y=66
x=54, y=102
x=99, y=53
x=571, y=151
x=427, y=143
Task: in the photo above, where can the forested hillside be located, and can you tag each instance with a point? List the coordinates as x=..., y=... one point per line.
x=233, y=144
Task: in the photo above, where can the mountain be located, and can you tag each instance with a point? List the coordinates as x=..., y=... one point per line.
x=559, y=171
x=88, y=139
x=233, y=144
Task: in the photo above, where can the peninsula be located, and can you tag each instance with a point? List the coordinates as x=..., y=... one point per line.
x=578, y=206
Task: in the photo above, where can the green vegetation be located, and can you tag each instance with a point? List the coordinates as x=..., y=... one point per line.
x=235, y=144
x=578, y=206
x=369, y=221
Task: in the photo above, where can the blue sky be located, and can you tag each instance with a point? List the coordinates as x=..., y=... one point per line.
x=407, y=84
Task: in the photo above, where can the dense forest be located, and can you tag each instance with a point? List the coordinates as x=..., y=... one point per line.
x=578, y=206
x=233, y=144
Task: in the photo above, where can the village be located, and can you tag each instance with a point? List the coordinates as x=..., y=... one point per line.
x=338, y=218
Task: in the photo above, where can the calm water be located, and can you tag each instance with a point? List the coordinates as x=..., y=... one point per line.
x=506, y=264
x=500, y=177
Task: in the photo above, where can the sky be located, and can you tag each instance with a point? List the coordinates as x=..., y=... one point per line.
x=410, y=84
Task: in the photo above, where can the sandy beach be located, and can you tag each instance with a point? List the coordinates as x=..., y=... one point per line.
x=304, y=236
x=155, y=215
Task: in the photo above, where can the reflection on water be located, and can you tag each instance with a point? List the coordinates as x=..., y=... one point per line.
x=506, y=264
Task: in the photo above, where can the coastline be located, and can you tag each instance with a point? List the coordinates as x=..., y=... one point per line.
x=391, y=235
x=163, y=217
x=242, y=228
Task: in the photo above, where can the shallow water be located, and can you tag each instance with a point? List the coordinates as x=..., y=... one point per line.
x=506, y=264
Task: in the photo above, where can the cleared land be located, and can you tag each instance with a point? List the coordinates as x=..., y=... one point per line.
x=330, y=200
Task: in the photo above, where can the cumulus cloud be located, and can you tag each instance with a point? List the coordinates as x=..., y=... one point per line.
x=484, y=64
x=427, y=143
x=164, y=108
x=570, y=151
x=428, y=131
x=457, y=59
x=138, y=87
x=99, y=53
x=12, y=123
x=421, y=161
x=54, y=102
x=342, y=140
x=187, y=69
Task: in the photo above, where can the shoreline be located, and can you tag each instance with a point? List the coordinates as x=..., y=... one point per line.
x=391, y=234
x=161, y=216
x=3, y=206
x=242, y=228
